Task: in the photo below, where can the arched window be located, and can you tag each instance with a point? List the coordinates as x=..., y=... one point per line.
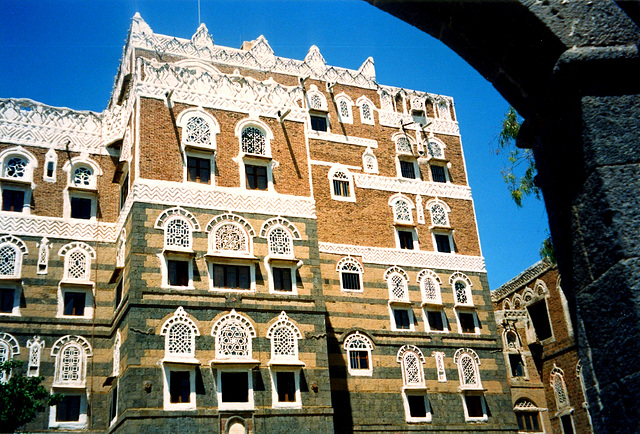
x=402, y=209
x=527, y=416
x=358, y=347
x=444, y=111
x=199, y=129
x=254, y=141
x=366, y=110
x=412, y=362
x=280, y=242
x=230, y=237
x=403, y=145
x=468, y=361
x=351, y=272
x=9, y=348
x=116, y=355
x=43, y=255
x=77, y=265
x=82, y=176
x=435, y=148
x=17, y=165
x=430, y=287
x=439, y=213
x=50, y=163
x=180, y=336
x=559, y=388
x=511, y=340
x=177, y=234
x=369, y=161
x=12, y=251
x=71, y=354
x=35, y=345
x=233, y=335
x=461, y=285
x=284, y=336
x=397, y=282
x=341, y=184
x=344, y=105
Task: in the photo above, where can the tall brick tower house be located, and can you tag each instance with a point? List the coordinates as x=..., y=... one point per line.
x=242, y=242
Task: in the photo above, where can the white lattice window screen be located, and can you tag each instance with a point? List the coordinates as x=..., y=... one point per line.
x=284, y=342
x=357, y=342
x=434, y=148
x=402, y=212
x=443, y=110
x=43, y=256
x=403, y=145
x=82, y=177
x=34, y=357
x=180, y=340
x=442, y=373
x=468, y=370
x=198, y=131
x=280, y=242
x=178, y=234
x=254, y=141
x=344, y=110
x=366, y=112
x=233, y=340
x=120, y=254
x=315, y=101
x=439, y=215
x=70, y=364
x=229, y=237
x=560, y=391
x=398, y=287
x=340, y=176
x=370, y=163
x=16, y=167
x=77, y=265
x=5, y=354
x=412, y=369
x=8, y=260
x=350, y=267
x=430, y=289
x=116, y=358
x=461, y=292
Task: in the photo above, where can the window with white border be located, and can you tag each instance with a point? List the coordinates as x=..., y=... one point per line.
x=358, y=347
x=397, y=284
x=9, y=348
x=199, y=129
x=402, y=208
x=401, y=318
x=461, y=285
x=341, y=184
x=559, y=388
x=442, y=373
x=75, y=291
x=351, y=272
x=369, y=161
x=35, y=346
x=43, y=255
x=528, y=416
x=17, y=166
x=180, y=333
x=430, y=284
x=318, y=110
x=435, y=320
x=12, y=252
x=117, y=342
x=366, y=110
x=77, y=262
x=406, y=238
x=284, y=363
x=81, y=193
x=439, y=212
x=435, y=147
x=344, y=106
x=50, y=166
x=71, y=412
x=71, y=353
x=176, y=259
x=254, y=156
x=281, y=263
x=179, y=382
x=414, y=392
x=473, y=402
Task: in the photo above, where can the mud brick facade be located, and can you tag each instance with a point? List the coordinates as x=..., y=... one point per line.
x=246, y=243
x=543, y=366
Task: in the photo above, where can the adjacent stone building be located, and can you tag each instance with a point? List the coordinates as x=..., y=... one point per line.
x=241, y=242
x=540, y=352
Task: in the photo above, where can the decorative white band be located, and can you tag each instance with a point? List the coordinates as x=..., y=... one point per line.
x=339, y=138
x=410, y=186
x=51, y=227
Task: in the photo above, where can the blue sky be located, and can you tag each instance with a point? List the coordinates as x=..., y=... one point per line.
x=66, y=53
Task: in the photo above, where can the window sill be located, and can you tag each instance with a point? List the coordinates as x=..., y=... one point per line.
x=361, y=373
x=398, y=302
x=10, y=278
x=230, y=257
x=179, y=288
x=431, y=303
x=77, y=283
x=24, y=183
x=343, y=198
x=467, y=388
x=172, y=250
x=176, y=360
x=59, y=385
x=87, y=188
x=414, y=387
x=248, y=363
x=286, y=362
x=289, y=260
x=198, y=147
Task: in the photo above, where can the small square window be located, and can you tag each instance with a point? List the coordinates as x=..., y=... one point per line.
x=50, y=169
x=232, y=276
x=178, y=272
x=474, y=406
x=282, y=279
x=467, y=322
x=402, y=319
x=199, y=170
x=12, y=200
x=234, y=387
x=517, y=365
x=528, y=421
x=405, y=239
x=443, y=243
x=341, y=188
x=74, y=303
x=7, y=300
x=407, y=169
x=256, y=177
x=286, y=385
x=435, y=321
x=81, y=208
x=318, y=123
x=350, y=281
x=358, y=360
x=68, y=410
x=179, y=387
x=417, y=406
x=438, y=174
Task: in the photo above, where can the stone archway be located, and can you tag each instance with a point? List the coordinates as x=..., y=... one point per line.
x=572, y=69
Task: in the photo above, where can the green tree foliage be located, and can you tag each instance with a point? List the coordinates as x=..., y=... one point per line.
x=21, y=397
x=520, y=172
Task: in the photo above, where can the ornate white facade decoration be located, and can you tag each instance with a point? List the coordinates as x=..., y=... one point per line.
x=402, y=209
x=43, y=255
x=468, y=368
x=115, y=371
x=284, y=336
x=40, y=226
x=71, y=353
x=419, y=209
x=77, y=261
x=233, y=335
x=439, y=212
x=461, y=285
x=179, y=333
x=121, y=248
x=369, y=161
x=35, y=346
x=410, y=186
x=339, y=138
x=397, y=283
x=199, y=129
x=412, y=361
x=430, y=287
x=442, y=373
x=408, y=258
x=12, y=252
x=166, y=215
x=559, y=389
x=264, y=230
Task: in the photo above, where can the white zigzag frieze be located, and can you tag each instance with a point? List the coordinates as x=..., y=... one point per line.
x=408, y=186
x=225, y=200
x=387, y=256
x=339, y=138
x=58, y=228
x=439, y=126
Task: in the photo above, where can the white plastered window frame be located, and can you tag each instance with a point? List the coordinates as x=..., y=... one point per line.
x=461, y=286
x=344, y=107
x=539, y=294
x=369, y=161
x=12, y=253
x=404, y=145
x=83, y=418
x=82, y=174
x=202, y=154
x=9, y=348
x=288, y=361
x=397, y=281
x=439, y=212
x=435, y=148
x=350, y=265
x=50, y=165
x=204, y=127
x=413, y=380
x=341, y=174
x=263, y=159
x=560, y=392
x=17, y=178
x=84, y=351
x=468, y=364
x=426, y=309
x=430, y=287
x=402, y=207
x=360, y=342
x=36, y=347
x=281, y=251
x=167, y=369
x=414, y=235
x=361, y=102
x=445, y=168
x=317, y=106
x=177, y=248
x=77, y=277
